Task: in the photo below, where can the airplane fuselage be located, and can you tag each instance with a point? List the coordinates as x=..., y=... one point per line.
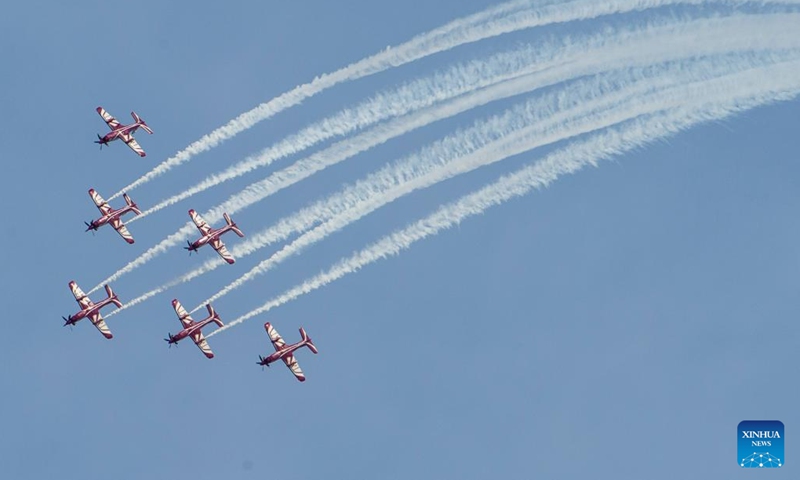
x=286, y=350
x=88, y=312
x=113, y=215
x=120, y=132
x=212, y=236
x=191, y=330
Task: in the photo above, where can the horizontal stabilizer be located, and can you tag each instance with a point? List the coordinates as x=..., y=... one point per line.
x=139, y=121
x=232, y=225
x=113, y=296
x=134, y=207
x=308, y=341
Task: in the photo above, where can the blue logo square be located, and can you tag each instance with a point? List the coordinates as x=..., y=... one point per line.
x=760, y=444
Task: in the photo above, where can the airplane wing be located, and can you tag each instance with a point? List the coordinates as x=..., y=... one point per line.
x=201, y=224
x=122, y=230
x=112, y=122
x=183, y=315
x=202, y=344
x=131, y=142
x=81, y=297
x=223, y=251
x=102, y=205
x=277, y=341
x=98, y=322
x=291, y=362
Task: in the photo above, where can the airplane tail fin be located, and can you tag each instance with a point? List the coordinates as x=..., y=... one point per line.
x=130, y=203
x=308, y=341
x=140, y=122
x=232, y=225
x=214, y=315
x=113, y=297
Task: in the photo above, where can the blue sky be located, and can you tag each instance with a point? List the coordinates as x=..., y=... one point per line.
x=619, y=323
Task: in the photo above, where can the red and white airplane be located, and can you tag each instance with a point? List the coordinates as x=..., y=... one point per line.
x=192, y=328
x=211, y=236
x=122, y=132
x=112, y=216
x=284, y=352
x=90, y=309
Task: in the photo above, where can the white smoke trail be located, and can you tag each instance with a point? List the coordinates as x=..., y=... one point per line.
x=710, y=36
x=587, y=95
x=495, y=21
x=458, y=80
x=614, y=109
x=418, y=47
x=781, y=82
x=706, y=37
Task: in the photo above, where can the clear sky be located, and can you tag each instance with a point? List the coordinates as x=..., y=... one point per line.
x=618, y=324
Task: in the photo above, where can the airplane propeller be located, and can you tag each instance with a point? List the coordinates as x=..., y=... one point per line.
x=171, y=340
x=68, y=321
x=100, y=142
x=189, y=247
x=261, y=362
x=89, y=226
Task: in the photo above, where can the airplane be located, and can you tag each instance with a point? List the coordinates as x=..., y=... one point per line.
x=122, y=132
x=112, y=216
x=212, y=236
x=90, y=309
x=192, y=328
x=284, y=352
